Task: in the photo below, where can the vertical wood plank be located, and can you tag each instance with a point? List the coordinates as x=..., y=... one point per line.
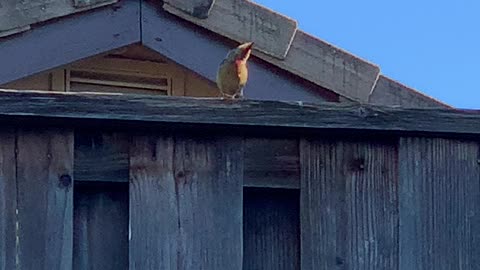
x=100, y=226
x=439, y=204
x=153, y=207
x=57, y=80
x=179, y=77
x=45, y=198
x=8, y=199
x=271, y=229
x=349, y=205
x=186, y=203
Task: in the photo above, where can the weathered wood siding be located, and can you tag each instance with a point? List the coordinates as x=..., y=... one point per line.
x=8, y=199
x=349, y=213
x=245, y=197
x=439, y=191
x=268, y=162
x=45, y=198
x=100, y=226
x=101, y=156
x=143, y=111
x=191, y=190
x=271, y=228
x=271, y=162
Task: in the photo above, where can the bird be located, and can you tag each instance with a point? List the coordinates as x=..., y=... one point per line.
x=232, y=74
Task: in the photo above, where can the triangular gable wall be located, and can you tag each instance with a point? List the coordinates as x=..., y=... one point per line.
x=65, y=40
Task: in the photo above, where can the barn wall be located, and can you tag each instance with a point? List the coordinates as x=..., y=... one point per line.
x=220, y=202
x=349, y=204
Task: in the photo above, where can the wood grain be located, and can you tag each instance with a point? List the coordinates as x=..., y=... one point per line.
x=349, y=205
x=271, y=229
x=45, y=198
x=186, y=203
x=8, y=199
x=391, y=93
x=100, y=227
x=439, y=204
x=323, y=64
x=148, y=110
x=101, y=156
x=271, y=162
x=153, y=211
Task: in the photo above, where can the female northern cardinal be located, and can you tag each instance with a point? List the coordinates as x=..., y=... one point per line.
x=232, y=74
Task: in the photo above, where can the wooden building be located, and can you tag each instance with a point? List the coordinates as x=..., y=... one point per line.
x=116, y=160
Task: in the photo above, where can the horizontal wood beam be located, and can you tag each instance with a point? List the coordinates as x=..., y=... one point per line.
x=146, y=111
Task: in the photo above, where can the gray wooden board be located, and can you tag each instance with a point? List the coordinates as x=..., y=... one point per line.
x=173, y=38
x=348, y=205
x=45, y=198
x=100, y=226
x=95, y=32
x=324, y=64
x=8, y=199
x=271, y=229
x=186, y=203
x=439, y=204
x=391, y=93
x=147, y=110
x=101, y=156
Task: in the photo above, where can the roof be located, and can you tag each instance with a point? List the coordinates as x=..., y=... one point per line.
x=278, y=42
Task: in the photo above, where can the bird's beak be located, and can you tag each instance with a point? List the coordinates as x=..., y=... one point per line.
x=248, y=45
x=246, y=49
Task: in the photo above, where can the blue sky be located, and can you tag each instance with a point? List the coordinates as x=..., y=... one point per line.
x=432, y=46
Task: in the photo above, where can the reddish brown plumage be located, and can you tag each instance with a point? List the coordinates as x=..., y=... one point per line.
x=232, y=74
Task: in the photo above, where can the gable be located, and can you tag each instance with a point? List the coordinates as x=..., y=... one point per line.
x=131, y=69
x=311, y=70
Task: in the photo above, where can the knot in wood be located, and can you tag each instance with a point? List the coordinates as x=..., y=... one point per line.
x=362, y=112
x=357, y=164
x=180, y=174
x=65, y=180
